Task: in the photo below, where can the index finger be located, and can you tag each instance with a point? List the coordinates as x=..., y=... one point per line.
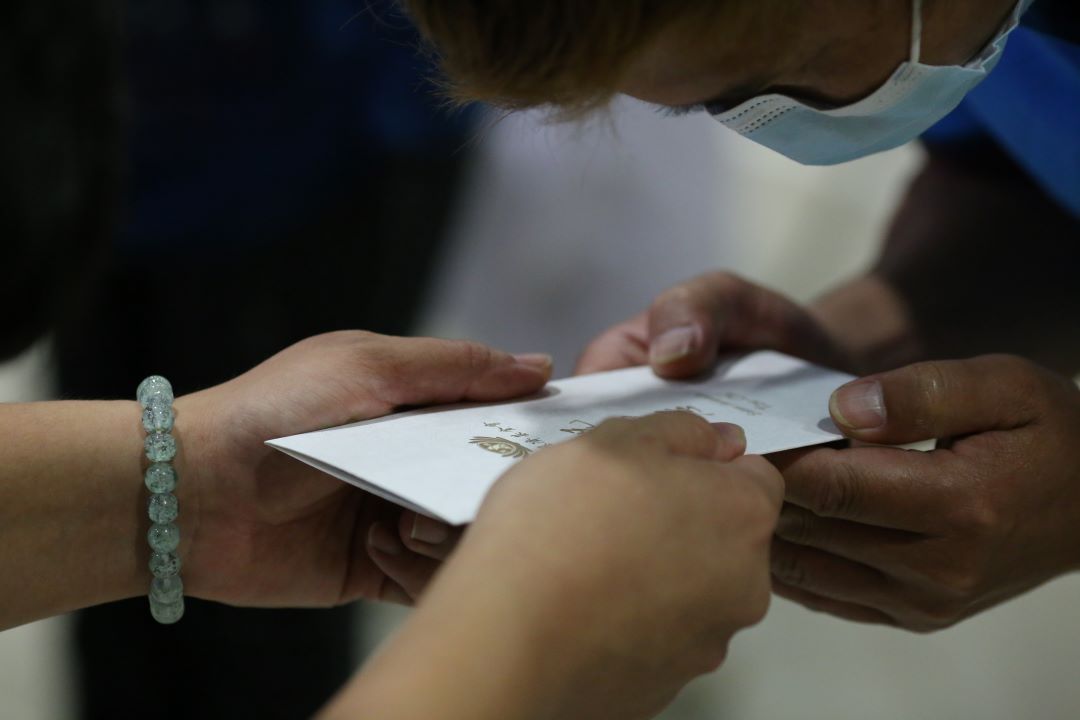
x=678, y=433
x=622, y=346
x=886, y=487
x=764, y=475
x=422, y=371
x=690, y=323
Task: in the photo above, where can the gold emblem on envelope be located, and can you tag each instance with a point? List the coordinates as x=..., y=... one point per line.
x=501, y=446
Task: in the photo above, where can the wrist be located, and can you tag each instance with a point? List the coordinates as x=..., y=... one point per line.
x=118, y=500
x=194, y=469
x=473, y=649
x=871, y=323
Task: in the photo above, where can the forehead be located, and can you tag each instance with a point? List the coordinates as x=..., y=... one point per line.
x=727, y=53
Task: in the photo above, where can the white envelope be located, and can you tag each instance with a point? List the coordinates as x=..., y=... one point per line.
x=442, y=461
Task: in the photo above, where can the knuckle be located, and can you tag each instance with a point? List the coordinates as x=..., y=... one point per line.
x=376, y=362
x=785, y=566
x=956, y=583
x=920, y=625
x=718, y=656
x=612, y=428
x=709, y=645
x=357, y=336
x=342, y=338
x=961, y=586
x=414, y=546
x=762, y=515
x=358, y=346
x=757, y=512
x=689, y=424
x=1004, y=363
x=798, y=527
x=675, y=295
x=410, y=544
x=722, y=281
x=475, y=356
x=597, y=346
x=965, y=581
x=815, y=603
x=696, y=291
x=752, y=605
x=931, y=391
x=836, y=495
x=1029, y=384
x=605, y=444
x=757, y=607
x=977, y=517
x=766, y=479
x=953, y=581
x=935, y=615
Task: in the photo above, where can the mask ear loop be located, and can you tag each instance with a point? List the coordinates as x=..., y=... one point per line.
x=916, y=31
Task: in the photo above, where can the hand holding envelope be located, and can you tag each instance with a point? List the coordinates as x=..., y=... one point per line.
x=442, y=461
x=600, y=576
x=271, y=531
x=917, y=540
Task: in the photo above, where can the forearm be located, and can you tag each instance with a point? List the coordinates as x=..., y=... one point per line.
x=72, y=507
x=871, y=322
x=475, y=649
x=976, y=261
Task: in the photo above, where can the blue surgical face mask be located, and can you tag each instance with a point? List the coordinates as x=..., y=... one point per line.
x=915, y=98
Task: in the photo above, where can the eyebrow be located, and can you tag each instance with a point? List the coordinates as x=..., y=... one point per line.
x=680, y=110
x=722, y=104
x=728, y=99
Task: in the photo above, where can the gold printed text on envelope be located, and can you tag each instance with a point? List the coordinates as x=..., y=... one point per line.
x=501, y=446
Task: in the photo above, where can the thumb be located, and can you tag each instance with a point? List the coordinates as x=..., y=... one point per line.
x=422, y=371
x=935, y=400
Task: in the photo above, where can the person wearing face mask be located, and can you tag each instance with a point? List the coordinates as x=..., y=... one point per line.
x=965, y=329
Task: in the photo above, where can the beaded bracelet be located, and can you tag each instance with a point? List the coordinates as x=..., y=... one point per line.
x=155, y=395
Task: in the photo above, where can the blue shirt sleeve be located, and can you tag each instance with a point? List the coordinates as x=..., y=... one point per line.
x=1030, y=107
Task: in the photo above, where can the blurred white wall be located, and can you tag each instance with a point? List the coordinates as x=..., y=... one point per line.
x=568, y=228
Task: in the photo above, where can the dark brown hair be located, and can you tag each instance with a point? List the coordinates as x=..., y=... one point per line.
x=570, y=54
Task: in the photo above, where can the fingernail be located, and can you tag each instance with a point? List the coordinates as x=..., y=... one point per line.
x=541, y=361
x=675, y=344
x=731, y=432
x=429, y=531
x=859, y=405
x=380, y=538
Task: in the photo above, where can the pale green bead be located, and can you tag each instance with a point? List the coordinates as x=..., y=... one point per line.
x=162, y=508
x=155, y=395
x=160, y=447
x=154, y=386
x=163, y=537
x=167, y=613
x=157, y=415
x=163, y=565
x=166, y=589
x=160, y=478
